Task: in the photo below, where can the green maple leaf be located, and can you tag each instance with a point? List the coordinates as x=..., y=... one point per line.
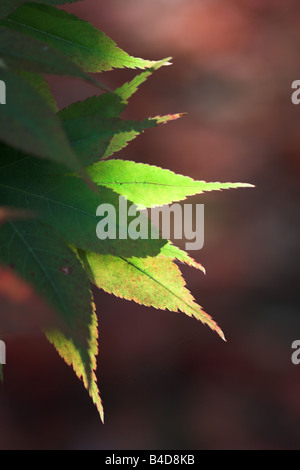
x=48, y=215
x=154, y=281
x=147, y=185
x=77, y=39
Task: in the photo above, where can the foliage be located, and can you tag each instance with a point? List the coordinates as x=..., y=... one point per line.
x=53, y=176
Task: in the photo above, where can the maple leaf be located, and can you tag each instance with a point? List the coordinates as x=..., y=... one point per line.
x=49, y=249
x=153, y=281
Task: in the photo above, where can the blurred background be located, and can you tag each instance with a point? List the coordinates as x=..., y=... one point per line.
x=166, y=381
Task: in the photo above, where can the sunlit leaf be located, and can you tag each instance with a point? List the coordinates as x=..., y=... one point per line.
x=147, y=185
x=129, y=88
x=154, y=281
x=173, y=252
x=49, y=217
x=68, y=350
x=90, y=48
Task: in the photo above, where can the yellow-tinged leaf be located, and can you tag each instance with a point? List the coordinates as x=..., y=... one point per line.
x=153, y=282
x=71, y=355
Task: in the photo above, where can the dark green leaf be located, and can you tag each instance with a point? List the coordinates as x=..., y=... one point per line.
x=93, y=138
x=55, y=272
x=28, y=123
x=22, y=52
x=109, y=105
x=39, y=83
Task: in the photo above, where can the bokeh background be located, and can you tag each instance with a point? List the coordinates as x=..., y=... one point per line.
x=166, y=381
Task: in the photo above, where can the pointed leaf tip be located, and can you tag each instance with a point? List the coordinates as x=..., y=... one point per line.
x=168, y=117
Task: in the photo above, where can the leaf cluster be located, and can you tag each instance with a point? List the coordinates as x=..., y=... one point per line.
x=56, y=168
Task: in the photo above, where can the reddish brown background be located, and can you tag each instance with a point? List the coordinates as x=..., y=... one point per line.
x=166, y=381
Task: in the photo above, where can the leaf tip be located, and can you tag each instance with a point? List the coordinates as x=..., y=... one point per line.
x=218, y=330
x=167, y=61
x=246, y=185
x=223, y=336
x=101, y=413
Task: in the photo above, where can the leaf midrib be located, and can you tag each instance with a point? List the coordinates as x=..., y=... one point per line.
x=166, y=288
x=148, y=183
